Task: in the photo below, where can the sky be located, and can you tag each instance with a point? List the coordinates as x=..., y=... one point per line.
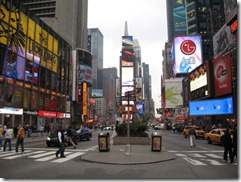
x=147, y=22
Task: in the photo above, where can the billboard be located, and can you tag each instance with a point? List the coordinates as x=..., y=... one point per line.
x=200, y=82
x=211, y=107
x=85, y=74
x=222, y=40
x=188, y=53
x=140, y=108
x=173, y=91
x=127, y=57
x=179, y=17
x=222, y=75
x=127, y=76
x=127, y=41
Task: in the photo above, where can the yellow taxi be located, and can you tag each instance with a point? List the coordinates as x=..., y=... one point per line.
x=215, y=135
x=199, y=133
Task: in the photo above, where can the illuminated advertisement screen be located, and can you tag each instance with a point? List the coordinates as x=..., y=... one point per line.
x=222, y=75
x=127, y=41
x=127, y=57
x=140, y=108
x=173, y=91
x=97, y=93
x=211, y=107
x=85, y=74
x=127, y=76
x=179, y=18
x=222, y=40
x=188, y=53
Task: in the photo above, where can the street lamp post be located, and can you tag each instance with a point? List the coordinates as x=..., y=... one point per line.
x=128, y=146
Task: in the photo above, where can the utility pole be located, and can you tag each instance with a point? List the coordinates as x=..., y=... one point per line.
x=128, y=146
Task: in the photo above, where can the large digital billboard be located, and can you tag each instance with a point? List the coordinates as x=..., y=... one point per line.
x=211, y=107
x=222, y=40
x=127, y=57
x=127, y=76
x=179, y=17
x=127, y=41
x=173, y=90
x=222, y=75
x=188, y=53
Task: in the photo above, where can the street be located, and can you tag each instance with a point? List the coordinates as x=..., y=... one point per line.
x=39, y=162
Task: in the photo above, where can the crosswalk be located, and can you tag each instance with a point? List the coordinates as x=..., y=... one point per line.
x=43, y=155
x=202, y=158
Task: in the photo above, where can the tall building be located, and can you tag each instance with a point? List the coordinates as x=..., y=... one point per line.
x=35, y=71
x=95, y=46
x=108, y=78
x=60, y=15
x=69, y=20
x=204, y=18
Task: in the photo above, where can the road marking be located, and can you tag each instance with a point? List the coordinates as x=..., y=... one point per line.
x=49, y=157
x=17, y=155
x=194, y=162
x=214, y=156
x=41, y=155
x=197, y=155
x=68, y=157
x=214, y=162
x=7, y=154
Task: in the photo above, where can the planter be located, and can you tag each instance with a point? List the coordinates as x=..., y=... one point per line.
x=133, y=140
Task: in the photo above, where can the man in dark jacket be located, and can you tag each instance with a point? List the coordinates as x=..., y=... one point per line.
x=227, y=142
x=61, y=144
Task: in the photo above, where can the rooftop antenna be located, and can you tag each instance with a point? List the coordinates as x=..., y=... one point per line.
x=126, y=29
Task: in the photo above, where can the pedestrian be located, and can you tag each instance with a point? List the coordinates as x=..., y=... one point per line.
x=20, y=138
x=227, y=142
x=61, y=144
x=1, y=136
x=8, y=138
x=15, y=131
x=69, y=136
x=235, y=142
x=192, y=137
x=42, y=131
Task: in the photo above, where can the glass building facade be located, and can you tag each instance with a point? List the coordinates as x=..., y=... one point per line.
x=35, y=70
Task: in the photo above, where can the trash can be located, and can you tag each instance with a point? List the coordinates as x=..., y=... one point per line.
x=104, y=142
x=156, y=142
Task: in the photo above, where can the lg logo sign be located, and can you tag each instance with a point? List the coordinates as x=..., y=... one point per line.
x=188, y=47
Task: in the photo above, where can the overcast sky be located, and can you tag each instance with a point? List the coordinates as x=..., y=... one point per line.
x=146, y=22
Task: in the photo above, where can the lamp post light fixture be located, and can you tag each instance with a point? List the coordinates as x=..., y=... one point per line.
x=128, y=146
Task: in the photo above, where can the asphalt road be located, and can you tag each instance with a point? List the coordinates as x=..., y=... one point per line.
x=203, y=162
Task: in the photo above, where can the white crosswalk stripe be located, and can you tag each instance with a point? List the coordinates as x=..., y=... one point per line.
x=41, y=155
x=202, y=158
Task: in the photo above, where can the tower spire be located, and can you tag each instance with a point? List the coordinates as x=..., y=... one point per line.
x=126, y=29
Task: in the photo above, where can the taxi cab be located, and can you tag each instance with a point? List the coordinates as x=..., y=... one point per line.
x=215, y=135
x=199, y=133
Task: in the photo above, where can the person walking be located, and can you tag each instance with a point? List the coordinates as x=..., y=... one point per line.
x=227, y=142
x=1, y=136
x=235, y=142
x=8, y=138
x=69, y=136
x=61, y=144
x=20, y=138
x=192, y=137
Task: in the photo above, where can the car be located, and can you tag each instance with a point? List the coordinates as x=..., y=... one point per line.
x=215, y=135
x=159, y=126
x=84, y=133
x=199, y=133
x=52, y=139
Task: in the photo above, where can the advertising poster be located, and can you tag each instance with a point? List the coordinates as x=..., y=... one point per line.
x=156, y=143
x=102, y=143
x=222, y=75
x=188, y=53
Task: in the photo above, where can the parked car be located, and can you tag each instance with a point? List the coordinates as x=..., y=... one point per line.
x=199, y=133
x=52, y=139
x=84, y=133
x=159, y=126
x=215, y=135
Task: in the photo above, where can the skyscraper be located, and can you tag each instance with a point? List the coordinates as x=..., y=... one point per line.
x=95, y=46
